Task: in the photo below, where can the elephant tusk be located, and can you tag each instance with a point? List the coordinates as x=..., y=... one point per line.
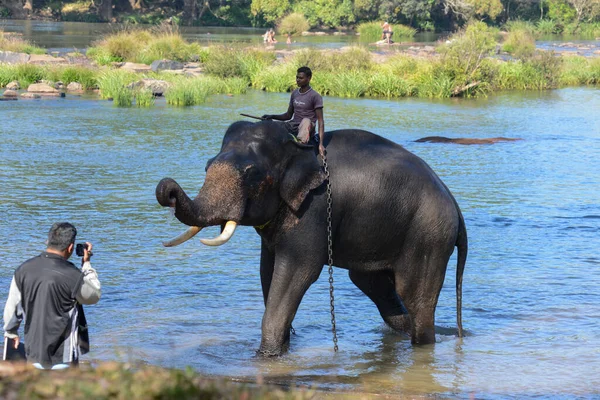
x=187, y=235
x=223, y=237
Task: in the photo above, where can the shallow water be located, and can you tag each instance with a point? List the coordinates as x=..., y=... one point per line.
x=531, y=304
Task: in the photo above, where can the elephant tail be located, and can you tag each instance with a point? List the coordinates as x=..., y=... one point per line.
x=462, y=243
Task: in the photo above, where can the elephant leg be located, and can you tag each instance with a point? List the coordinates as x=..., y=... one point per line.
x=419, y=284
x=267, y=262
x=380, y=288
x=289, y=284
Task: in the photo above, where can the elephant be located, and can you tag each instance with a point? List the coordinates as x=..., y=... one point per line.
x=442, y=139
x=394, y=223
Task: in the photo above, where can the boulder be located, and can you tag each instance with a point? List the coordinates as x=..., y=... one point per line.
x=14, y=85
x=157, y=87
x=10, y=57
x=10, y=93
x=75, y=87
x=45, y=59
x=42, y=88
x=135, y=67
x=161, y=65
x=30, y=95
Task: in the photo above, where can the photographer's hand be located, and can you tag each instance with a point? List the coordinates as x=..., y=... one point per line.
x=87, y=253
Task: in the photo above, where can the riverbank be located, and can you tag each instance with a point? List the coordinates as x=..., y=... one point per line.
x=128, y=66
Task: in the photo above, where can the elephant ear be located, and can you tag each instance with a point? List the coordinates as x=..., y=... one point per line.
x=303, y=174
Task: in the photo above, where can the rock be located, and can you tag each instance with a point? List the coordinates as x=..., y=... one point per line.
x=14, y=85
x=45, y=59
x=441, y=139
x=10, y=93
x=30, y=95
x=43, y=88
x=75, y=87
x=10, y=57
x=161, y=65
x=157, y=87
x=117, y=64
x=135, y=67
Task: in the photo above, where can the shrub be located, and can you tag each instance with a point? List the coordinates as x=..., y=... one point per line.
x=85, y=76
x=278, y=78
x=294, y=24
x=352, y=59
x=370, y=31
x=546, y=27
x=385, y=84
x=520, y=43
x=463, y=56
x=16, y=44
x=223, y=62
x=144, y=98
x=112, y=82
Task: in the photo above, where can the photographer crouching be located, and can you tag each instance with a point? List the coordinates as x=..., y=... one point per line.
x=48, y=292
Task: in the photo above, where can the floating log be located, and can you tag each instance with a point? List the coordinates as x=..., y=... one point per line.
x=442, y=139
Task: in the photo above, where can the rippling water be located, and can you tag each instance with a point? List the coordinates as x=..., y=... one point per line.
x=532, y=208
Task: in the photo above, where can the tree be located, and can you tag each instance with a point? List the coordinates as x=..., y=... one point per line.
x=104, y=9
x=584, y=9
x=17, y=8
x=470, y=8
x=269, y=10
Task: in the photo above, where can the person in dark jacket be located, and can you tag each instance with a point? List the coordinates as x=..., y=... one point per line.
x=47, y=292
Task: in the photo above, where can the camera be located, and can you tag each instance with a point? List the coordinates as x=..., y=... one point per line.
x=80, y=248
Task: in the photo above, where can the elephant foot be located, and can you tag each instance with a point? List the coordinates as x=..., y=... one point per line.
x=271, y=351
x=400, y=323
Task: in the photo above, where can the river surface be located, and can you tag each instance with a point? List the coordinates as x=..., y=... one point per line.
x=532, y=208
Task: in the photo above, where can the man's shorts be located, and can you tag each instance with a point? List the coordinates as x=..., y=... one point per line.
x=305, y=131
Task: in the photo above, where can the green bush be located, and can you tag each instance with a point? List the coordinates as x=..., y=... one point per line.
x=463, y=56
x=352, y=59
x=546, y=27
x=385, y=84
x=370, y=31
x=293, y=24
x=223, y=62
x=85, y=76
x=112, y=82
x=144, y=98
x=520, y=43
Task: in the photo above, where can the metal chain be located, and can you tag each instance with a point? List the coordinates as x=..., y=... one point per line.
x=330, y=256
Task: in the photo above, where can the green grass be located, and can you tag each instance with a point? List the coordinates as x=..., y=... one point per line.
x=144, y=98
x=9, y=42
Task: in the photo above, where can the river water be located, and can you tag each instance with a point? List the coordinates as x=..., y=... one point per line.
x=532, y=208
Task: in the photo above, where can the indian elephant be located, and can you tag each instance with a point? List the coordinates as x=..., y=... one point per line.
x=394, y=222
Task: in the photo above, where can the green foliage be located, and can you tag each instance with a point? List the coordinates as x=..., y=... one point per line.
x=560, y=10
x=144, y=98
x=278, y=78
x=369, y=31
x=520, y=25
x=386, y=84
x=546, y=27
x=403, y=31
x=9, y=42
x=352, y=59
x=519, y=43
x=144, y=46
x=293, y=24
x=466, y=51
x=85, y=76
x=188, y=92
x=269, y=10
x=330, y=13
x=123, y=97
x=235, y=85
x=227, y=62
x=112, y=82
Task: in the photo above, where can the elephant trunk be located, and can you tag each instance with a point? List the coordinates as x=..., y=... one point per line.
x=170, y=194
x=220, y=201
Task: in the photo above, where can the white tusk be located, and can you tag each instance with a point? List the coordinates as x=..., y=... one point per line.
x=187, y=235
x=223, y=237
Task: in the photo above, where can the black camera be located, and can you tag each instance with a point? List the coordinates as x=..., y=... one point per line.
x=79, y=249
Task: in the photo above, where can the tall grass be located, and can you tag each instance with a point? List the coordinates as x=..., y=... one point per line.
x=370, y=31
x=144, y=46
x=112, y=83
x=144, y=98
x=293, y=24
x=9, y=42
x=520, y=43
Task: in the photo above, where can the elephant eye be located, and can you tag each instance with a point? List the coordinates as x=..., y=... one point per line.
x=252, y=174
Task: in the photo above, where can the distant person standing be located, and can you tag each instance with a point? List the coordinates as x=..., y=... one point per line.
x=47, y=292
x=272, y=36
x=305, y=110
x=289, y=39
x=385, y=26
x=267, y=36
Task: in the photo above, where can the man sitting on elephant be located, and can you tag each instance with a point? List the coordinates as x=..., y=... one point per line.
x=305, y=109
